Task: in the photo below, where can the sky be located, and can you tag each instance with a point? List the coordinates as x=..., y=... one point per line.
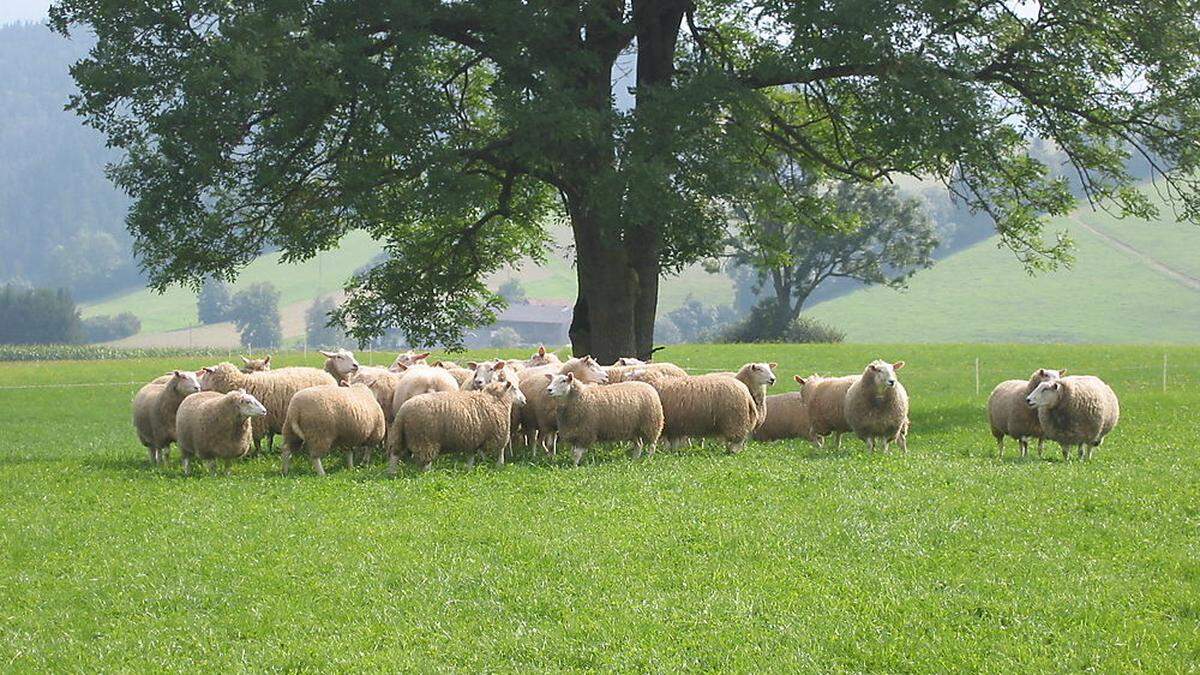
x=23, y=10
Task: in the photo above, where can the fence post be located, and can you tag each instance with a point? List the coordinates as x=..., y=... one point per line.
x=976, y=375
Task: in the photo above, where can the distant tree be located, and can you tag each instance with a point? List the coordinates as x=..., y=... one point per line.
x=316, y=322
x=111, y=327
x=666, y=332
x=697, y=322
x=213, y=301
x=38, y=316
x=754, y=328
x=505, y=336
x=255, y=312
x=796, y=232
x=513, y=292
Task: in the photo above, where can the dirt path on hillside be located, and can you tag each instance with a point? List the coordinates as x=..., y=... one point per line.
x=1155, y=264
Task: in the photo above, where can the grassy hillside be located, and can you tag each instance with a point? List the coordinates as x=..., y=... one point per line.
x=299, y=284
x=982, y=294
x=782, y=558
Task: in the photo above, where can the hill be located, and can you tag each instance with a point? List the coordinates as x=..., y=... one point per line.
x=1132, y=281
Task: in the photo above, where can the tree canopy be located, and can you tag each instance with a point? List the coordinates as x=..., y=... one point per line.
x=452, y=130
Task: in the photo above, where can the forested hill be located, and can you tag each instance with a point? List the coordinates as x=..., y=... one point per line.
x=61, y=221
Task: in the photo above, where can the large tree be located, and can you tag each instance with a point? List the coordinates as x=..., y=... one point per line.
x=452, y=130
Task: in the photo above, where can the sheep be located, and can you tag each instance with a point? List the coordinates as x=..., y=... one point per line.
x=643, y=372
x=453, y=421
x=154, y=409
x=420, y=379
x=326, y=417
x=460, y=374
x=628, y=361
x=215, y=425
x=876, y=406
x=342, y=365
x=757, y=377
x=539, y=413
x=273, y=388
x=255, y=365
x=701, y=406
x=542, y=358
x=408, y=359
x=588, y=413
x=1078, y=410
x=825, y=399
x=1010, y=415
x=487, y=371
x=786, y=417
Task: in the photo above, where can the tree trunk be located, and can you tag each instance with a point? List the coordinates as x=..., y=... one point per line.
x=604, y=324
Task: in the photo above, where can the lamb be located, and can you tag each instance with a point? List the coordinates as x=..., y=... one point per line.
x=825, y=399
x=154, y=409
x=1010, y=415
x=215, y=425
x=1078, y=410
x=420, y=379
x=697, y=406
x=273, y=388
x=255, y=365
x=876, y=406
x=453, y=421
x=786, y=417
x=588, y=413
x=539, y=413
x=643, y=372
x=325, y=417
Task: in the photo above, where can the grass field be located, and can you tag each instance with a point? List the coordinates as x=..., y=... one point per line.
x=982, y=294
x=782, y=558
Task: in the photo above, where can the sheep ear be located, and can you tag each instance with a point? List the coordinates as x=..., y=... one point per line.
x=500, y=365
x=570, y=377
x=773, y=365
x=798, y=379
x=541, y=350
x=400, y=367
x=328, y=355
x=418, y=357
x=1062, y=372
x=549, y=377
x=267, y=360
x=208, y=369
x=244, y=359
x=897, y=365
x=472, y=365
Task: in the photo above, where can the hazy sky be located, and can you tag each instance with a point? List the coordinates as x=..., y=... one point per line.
x=23, y=10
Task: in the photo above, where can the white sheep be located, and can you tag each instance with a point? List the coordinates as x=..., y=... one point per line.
x=255, y=365
x=420, y=379
x=1010, y=415
x=273, y=388
x=213, y=425
x=453, y=421
x=643, y=372
x=154, y=409
x=756, y=377
x=825, y=400
x=786, y=417
x=542, y=358
x=587, y=413
x=876, y=406
x=1078, y=410
x=539, y=413
x=322, y=418
x=697, y=406
x=408, y=359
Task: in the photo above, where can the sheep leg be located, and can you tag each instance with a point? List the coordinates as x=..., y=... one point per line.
x=737, y=446
x=316, y=462
x=1041, y=444
x=228, y=466
x=471, y=461
x=1023, y=443
x=637, y=449
x=392, y=464
x=1000, y=447
x=270, y=441
x=650, y=450
x=903, y=440
x=367, y=455
x=577, y=454
x=349, y=455
x=285, y=453
x=1081, y=450
x=1066, y=449
x=257, y=444
x=885, y=445
x=212, y=467
x=164, y=454
x=187, y=468
x=837, y=440
x=153, y=456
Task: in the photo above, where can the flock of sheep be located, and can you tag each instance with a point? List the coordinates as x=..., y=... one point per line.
x=418, y=411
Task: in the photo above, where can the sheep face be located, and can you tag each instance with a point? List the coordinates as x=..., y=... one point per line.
x=186, y=382
x=881, y=374
x=1046, y=395
x=342, y=362
x=247, y=405
x=486, y=372
x=254, y=365
x=410, y=358
x=1046, y=375
x=503, y=388
x=541, y=358
x=560, y=385
x=593, y=371
x=763, y=374
x=629, y=361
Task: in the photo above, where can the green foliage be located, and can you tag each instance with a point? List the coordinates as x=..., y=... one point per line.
x=105, y=327
x=452, y=130
x=784, y=558
x=38, y=316
x=505, y=336
x=254, y=310
x=760, y=325
x=316, y=322
x=81, y=352
x=214, y=302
